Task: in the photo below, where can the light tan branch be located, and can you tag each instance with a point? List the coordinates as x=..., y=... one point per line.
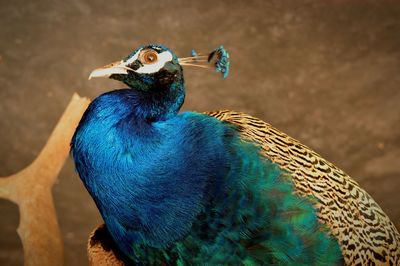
x=31, y=190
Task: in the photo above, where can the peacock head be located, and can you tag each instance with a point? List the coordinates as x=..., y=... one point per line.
x=155, y=66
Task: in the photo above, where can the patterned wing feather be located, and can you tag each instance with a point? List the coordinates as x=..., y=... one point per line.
x=365, y=233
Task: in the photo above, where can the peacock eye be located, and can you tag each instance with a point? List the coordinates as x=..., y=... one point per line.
x=148, y=57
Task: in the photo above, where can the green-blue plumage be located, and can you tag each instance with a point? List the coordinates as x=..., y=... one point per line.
x=185, y=189
x=256, y=220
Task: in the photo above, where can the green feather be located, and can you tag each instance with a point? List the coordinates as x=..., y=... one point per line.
x=260, y=221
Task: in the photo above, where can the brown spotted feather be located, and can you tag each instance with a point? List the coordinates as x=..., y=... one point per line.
x=365, y=233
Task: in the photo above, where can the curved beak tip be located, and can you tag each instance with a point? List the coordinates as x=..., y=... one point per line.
x=99, y=72
x=107, y=71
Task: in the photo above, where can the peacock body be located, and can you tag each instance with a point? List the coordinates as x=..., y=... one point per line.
x=365, y=233
x=221, y=188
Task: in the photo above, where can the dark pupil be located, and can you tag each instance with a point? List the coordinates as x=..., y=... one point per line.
x=150, y=57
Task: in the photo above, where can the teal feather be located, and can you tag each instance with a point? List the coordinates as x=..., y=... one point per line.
x=222, y=62
x=259, y=221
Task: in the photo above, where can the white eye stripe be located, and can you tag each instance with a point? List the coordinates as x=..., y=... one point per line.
x=162, y=58
x=133, y=58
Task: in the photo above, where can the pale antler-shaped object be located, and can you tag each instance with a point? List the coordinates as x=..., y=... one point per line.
x=31, y=189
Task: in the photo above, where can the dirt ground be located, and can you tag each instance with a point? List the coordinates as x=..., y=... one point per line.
x=325, y=72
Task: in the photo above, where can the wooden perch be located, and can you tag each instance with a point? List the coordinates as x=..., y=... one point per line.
x=102, y=250
x=31, y=189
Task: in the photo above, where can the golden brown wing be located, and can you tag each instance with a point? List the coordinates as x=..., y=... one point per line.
x=365, y=233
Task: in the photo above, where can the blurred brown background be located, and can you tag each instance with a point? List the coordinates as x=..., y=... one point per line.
x=325, y=72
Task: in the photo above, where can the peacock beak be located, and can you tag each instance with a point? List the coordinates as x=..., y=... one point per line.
x=114, y=68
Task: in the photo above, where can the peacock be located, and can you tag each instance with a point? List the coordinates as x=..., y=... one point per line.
x=216, y=188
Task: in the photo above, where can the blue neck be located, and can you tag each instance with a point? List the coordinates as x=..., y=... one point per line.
x=157, y=102
x=134, y=158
